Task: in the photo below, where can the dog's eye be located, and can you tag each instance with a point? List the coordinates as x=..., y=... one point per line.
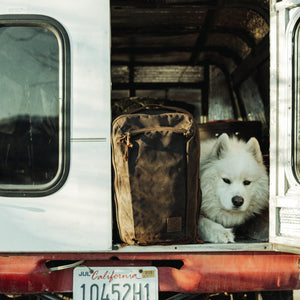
x=246, y=182
x=226, y=180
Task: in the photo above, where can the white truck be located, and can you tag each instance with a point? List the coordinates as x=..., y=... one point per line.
x=67, y=68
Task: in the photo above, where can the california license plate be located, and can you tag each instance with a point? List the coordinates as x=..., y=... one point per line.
x=115, y=283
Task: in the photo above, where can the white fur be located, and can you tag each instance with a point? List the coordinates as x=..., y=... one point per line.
x=228, y=168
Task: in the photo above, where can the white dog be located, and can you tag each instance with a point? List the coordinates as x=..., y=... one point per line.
x=234, y=186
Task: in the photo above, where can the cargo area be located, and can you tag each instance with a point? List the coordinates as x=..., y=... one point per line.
x=208, y=57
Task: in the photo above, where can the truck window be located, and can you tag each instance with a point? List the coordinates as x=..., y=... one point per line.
x=296, y=107
x=33, y=115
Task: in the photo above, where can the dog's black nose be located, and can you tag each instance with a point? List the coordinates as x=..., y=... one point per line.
x=237, y=201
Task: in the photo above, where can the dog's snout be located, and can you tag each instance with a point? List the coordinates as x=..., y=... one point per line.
x=237, y=201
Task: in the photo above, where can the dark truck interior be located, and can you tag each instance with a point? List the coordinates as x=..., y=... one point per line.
x=213, y=55
x=209, y=57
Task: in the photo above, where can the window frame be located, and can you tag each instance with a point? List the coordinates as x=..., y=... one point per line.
x=39, y=190
x=296, y=98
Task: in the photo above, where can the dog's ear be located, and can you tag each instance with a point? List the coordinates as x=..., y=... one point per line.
x=254, y=148
x=221, y=146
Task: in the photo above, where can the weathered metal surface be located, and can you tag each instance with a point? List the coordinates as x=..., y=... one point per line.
x=184, y=272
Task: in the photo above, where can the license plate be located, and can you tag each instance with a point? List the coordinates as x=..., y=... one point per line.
x=115, y=283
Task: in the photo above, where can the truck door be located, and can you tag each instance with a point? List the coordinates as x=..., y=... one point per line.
x=55, y=181
x=285, y=126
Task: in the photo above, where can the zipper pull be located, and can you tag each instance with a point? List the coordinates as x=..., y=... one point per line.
x=128, y=145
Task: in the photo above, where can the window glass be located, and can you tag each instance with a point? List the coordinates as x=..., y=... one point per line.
x=296, y=107
x=32, y=114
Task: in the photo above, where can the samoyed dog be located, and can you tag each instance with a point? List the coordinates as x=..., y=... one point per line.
x=234, y=185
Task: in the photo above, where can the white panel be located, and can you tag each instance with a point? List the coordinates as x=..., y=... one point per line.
x=284, y=189
x=76, y=218
x=289, y=222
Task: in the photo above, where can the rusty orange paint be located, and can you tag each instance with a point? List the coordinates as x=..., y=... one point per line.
x=198, y=273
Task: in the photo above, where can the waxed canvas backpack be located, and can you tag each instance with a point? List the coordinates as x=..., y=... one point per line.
x=155, y=155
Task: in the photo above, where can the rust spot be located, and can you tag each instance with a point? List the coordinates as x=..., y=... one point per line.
x=278, y=281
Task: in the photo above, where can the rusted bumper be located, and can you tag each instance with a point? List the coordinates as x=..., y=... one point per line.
x=179, y=272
